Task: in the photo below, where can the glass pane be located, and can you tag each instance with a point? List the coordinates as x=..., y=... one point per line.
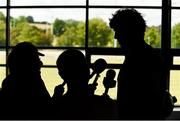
x=2, y=56
x=175, y=84
x=99, y=25
x=126, y=2
x=2, y=74
x=51, y=78
x=175, y=3
x=100, y=88
x=48, y=2
x=2, y=27
x=3, y=2
x=176, y=60
x=175, y=26
x=110, y=59
x=50, y=56
x=48, y=27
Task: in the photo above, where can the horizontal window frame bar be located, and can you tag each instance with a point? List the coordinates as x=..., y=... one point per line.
x=82, y=6
x=3, y=7
x=114, y=66
x=175, y=67
x=175, y=7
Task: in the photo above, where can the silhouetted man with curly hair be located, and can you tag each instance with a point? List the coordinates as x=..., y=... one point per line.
x=140, y=80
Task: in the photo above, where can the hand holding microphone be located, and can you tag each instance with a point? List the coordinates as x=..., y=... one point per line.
x=98, y=67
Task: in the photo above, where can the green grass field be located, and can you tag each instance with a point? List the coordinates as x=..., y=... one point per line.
x=51, y=77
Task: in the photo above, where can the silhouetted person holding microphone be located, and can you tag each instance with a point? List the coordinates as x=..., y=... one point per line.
x=79, y=102
x=74, y=71
x=140, y=80
x=23, y=91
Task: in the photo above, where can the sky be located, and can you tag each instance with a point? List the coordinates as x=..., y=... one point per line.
x=152, y=17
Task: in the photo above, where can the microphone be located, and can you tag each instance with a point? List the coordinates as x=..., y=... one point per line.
x=98, y=67
x=109, y=81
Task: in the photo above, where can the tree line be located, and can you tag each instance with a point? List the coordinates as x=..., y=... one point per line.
x=72, y=33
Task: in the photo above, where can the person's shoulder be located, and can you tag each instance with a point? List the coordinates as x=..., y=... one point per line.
x=7, y=81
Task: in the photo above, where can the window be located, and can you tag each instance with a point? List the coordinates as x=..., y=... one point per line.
x=2, y=2
x=126, y=2
x=55, y=25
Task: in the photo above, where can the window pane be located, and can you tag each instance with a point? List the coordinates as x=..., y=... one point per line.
x=48, y=2
x=2, y=27
x=176, y=60
x=175, y=84
x=99, y=25
x=110, y=59
x=51, y=56
x=175, y=3
x=126, y=2
x=100, y=88
x=48, y=27
x=2, y=2
x=2, y=56
x=175, y=26
x=51, y=78
x=100, y=34
x=2, y=74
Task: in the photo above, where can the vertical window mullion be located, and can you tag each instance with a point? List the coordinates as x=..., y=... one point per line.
x=166, y=38
x=87, y=54
x=7, y=32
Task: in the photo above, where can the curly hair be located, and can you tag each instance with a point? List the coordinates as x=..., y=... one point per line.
x=129, y=18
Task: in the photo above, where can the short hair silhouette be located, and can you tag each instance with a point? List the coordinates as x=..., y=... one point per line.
x=73, y=68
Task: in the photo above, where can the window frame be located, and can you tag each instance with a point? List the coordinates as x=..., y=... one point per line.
x=166, y=50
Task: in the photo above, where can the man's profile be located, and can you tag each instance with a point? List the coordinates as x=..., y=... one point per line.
x=140, y=80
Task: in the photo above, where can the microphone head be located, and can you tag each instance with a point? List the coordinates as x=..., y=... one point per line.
x=110, y=73
x=99, y=66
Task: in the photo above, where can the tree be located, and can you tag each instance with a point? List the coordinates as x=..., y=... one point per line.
x=2, y=33
x=58, y=27
x=22, y=19
x=2, y=17
x=74, y=34
x=30, y=19
x=176, y=36
x=30, y=33
x=99, y=33
x=152, y=36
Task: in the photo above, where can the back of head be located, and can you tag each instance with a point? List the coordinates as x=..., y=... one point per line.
x=73, y=68
x=128, y=21
x=24, y=57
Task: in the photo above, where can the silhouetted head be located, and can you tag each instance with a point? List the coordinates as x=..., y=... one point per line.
x=129, y=27
x=24, y=58
x=73, y=68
